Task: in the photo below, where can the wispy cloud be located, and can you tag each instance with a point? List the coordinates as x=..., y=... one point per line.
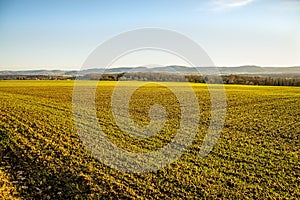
x=227, y=4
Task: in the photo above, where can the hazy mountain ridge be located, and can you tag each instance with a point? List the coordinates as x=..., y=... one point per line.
x=245, y=70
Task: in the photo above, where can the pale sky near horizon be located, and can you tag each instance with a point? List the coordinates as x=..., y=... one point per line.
x=53, y=34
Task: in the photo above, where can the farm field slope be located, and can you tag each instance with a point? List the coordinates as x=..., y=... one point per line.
x=42, y=156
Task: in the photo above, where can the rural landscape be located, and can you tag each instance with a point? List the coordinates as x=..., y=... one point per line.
x=42, y=156
x=149, y=99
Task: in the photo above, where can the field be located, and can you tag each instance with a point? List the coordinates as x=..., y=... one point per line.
x=42, y=156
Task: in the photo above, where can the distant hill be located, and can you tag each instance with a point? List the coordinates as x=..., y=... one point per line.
x=35, y=72
x=258, y=70
x=242, y=70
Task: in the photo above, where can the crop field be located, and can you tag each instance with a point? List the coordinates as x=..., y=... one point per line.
x=43, y=157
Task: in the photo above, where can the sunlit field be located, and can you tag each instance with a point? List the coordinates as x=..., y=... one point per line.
x=43, y=157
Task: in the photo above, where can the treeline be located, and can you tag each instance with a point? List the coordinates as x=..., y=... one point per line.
x=246, y=80
x=225, y=79
x=167, y=77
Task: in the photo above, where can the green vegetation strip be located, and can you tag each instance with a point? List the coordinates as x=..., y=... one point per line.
x=42, y=156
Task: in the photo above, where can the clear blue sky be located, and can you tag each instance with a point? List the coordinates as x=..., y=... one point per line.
x=60, y=34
